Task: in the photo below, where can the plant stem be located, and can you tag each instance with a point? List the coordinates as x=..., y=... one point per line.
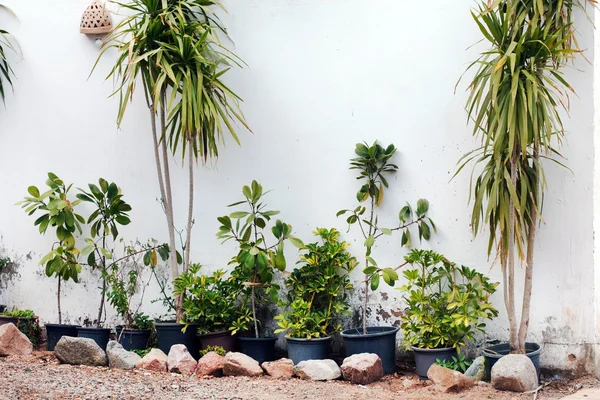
x=510, y=306
x=188, y=242
x=58, y=300
x=98, y=322
x=366, y=298
x=253, y=298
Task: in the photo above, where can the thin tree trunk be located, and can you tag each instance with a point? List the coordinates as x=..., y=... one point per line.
x=254, y=311
x=188, y=241
x=58, y=300
x=510, y=306
x=365, y=302
x=524, y=327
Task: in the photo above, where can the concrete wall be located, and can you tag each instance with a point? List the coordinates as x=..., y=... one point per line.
x=321, y=76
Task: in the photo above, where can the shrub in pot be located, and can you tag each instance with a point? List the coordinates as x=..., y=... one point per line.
x=317, y=297
x=255, y=264
x=374, y=166
x=26, y=321
x=446, y=304
x=211, y=303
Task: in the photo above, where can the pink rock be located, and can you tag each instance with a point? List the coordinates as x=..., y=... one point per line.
x=362, y=369
x=13, y=342
x=280, y=369
x=211, y=364
x=181, y=361
x=449, y=380
x=239, y=364
x=156, y=360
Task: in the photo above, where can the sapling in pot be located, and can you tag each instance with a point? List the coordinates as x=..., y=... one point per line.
x=374, y=166
x=256, y=263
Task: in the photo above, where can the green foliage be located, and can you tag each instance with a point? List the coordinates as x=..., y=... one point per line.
x=460, y=364
x=317, y=293
x=445, y=302
x=7, y=42
x=217, y=349
x=19, y=313
x=4, y=262
x=27, y=323
x=174, y=48
x=57, y=212
x=211, y=302
x=256, y=261
x=142, y=353
x=373, y=163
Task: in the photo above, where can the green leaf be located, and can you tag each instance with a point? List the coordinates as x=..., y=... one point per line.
x=106, y=253
x=33, y=191
x=296, y=242
x=375, y=282
x=386, y=231
x=239, y=214
x=422, y=207
x=370, y=241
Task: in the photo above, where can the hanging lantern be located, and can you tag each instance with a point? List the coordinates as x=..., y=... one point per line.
x=96, y=20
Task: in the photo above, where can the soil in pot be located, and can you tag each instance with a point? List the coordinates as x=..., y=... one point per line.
x=55, y=331
x=494, y=353
x=100, y=335
x=134, y=339
x=425, y=358
x=169, y=333
x=223, y=339
x=261, y=349
x=380, y=340
x=307, y=349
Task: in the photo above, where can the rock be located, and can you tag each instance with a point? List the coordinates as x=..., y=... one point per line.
x=362, y=369
x=477, y=370
x=120, y=358
x=318, y=370
x=280, y=369
x=239, y=364
x=181, y=361
x=449, y=380
x=13, y=342
x=156, y=360
x=515, y=373
x=79, y=351
x=210, y=364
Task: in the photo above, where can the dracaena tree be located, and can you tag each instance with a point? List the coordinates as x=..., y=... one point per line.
x=515, y=101
x=172, y=50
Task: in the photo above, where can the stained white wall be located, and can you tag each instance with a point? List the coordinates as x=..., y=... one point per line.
x=321, y=76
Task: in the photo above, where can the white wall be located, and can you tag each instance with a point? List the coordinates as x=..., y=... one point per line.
x=321, y=76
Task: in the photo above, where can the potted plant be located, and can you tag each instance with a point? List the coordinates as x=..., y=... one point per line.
x=373, y=163
x=529, y=45
x=174, y=49
x=123, y=283
x=445, y=304
x=58, y=212
x=26, y=321
x=317, y=297
x=255, y=265
x=211, y=302
x=7, y=42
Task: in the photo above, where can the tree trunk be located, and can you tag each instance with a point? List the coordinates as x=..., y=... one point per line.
x=253, y=298
x=188, y=241
x=510, y=306
x=58, y=301
x=365, y=302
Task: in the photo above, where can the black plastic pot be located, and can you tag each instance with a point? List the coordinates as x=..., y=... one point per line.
x=2, y=308
x=380, y=340
x=55, y=331
x=100, y=335
x=307, y=349
x=223, y=339
x=261, y=349
x=4, y=319
x=532, y=350
x=134, y=339
x=425, y=358
x=169, y=333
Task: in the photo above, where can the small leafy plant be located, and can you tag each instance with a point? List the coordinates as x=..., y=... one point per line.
x=256, y=260
x=142, y=353
x=373, y=163
x=27, y=323
x=445, y=302
x=217, y=349
x=211, y=301
x=460, y=364
x=318, y=290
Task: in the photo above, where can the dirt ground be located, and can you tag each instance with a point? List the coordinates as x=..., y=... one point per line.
x=40, y=376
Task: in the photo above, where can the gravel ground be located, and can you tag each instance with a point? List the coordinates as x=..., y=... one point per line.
x=40, y=376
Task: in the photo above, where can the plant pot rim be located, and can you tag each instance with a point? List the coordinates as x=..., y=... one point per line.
x=136, y=331
x=322, y=339
x=528, y=345
x=438, y=350
x=355, y=333
x=82, y=328
x=214, y=333
x=251, y=339
x=61, y=326
x=173, y=323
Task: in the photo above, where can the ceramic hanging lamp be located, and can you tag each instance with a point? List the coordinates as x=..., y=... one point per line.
x=96, y=20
